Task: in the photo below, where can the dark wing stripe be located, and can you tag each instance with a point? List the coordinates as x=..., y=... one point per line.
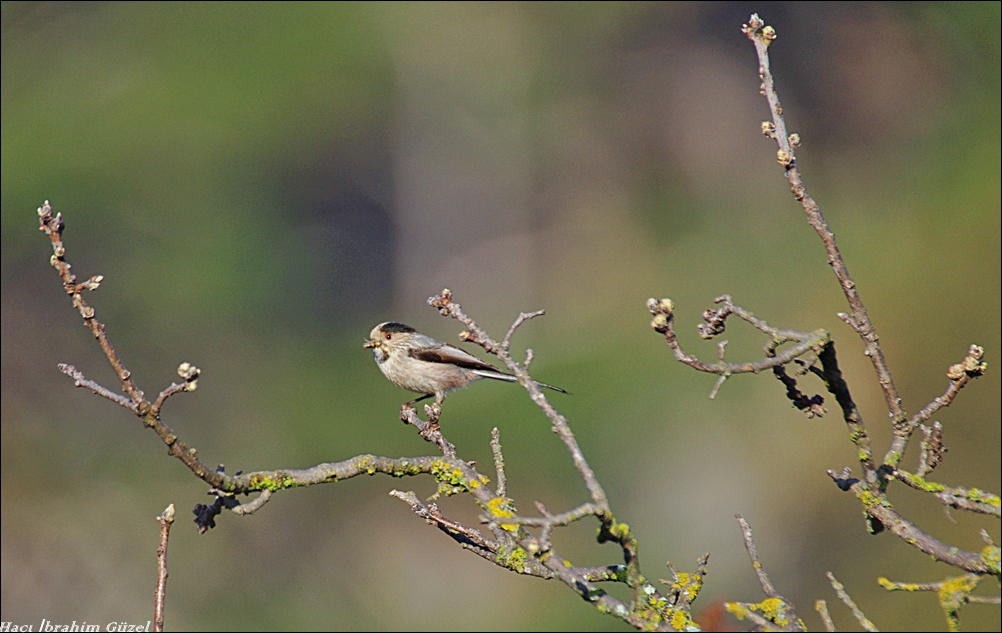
x=432, y=355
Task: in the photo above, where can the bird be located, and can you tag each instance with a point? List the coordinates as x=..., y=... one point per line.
x=428, y=366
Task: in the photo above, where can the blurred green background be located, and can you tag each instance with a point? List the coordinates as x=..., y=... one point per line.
x=261, y=184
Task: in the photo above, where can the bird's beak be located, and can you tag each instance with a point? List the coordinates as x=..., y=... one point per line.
x=369, y=343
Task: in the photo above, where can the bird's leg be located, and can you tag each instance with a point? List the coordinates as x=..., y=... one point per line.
x=417, y=400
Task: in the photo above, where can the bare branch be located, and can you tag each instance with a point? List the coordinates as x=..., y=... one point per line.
x=762, y=36
x=53, y=227
x=252, y=506
x=953, y=593
x=822, y=608
x=502, y=488
x=522, y=318
x=972, y=499
x=879, y=509
x=763, y=579
x=960, y=374
x=79, y=380
x=468, y=537
x=166, y=519
x=805, y=342
x=777, y=609
x=475, y=334
x=844, y=597
x=429, y=430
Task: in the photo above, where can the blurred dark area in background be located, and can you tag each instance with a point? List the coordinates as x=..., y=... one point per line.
x=261, y=184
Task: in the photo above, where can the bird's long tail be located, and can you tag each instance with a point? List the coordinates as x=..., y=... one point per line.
x=497, y=375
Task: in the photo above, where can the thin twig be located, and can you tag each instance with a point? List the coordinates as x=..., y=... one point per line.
x=953, y=593
x=959, y=374
x=172, y=389
x=763, y=579
x=522, y=318
x=822, y=608
x=454, y=529
x=252, y=506
x=805, y=342
x=971, y=499
x=165, y=519
x=79, y=380
x=558, y=520
x=502, y=487
x=746, y=610
x=53, y=227
x=844, y=596
x=784, y=613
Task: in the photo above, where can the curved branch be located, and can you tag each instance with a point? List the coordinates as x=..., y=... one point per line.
x=475, y=334
x=877, y=507
x=664, y=318
x=762, y=36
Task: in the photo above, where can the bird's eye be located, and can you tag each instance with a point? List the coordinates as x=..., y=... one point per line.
x=388, y=336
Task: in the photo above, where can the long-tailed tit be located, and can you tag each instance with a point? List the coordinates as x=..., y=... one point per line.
x=420, y=363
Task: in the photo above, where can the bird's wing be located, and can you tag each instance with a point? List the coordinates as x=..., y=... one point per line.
x=446, y=353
